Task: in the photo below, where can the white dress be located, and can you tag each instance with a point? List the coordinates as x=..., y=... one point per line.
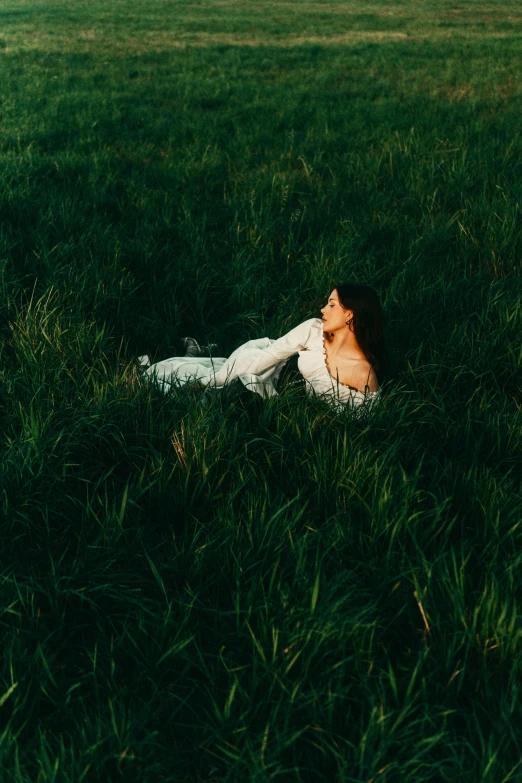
x=258, y=363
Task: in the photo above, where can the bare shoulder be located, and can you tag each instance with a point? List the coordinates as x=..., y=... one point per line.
x=365, y=374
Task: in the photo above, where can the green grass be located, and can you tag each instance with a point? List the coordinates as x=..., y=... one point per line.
x=251, y=590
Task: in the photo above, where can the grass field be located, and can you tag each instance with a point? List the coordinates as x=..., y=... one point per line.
x=251, y=590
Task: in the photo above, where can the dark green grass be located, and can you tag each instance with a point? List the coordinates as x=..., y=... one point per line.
x=221, y=588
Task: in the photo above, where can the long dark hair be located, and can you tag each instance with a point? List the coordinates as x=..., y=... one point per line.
x=368, y=323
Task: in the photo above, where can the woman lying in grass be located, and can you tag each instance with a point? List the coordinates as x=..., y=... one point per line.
x=342, y=355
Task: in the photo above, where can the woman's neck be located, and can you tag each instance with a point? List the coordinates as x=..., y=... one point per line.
x=344, y=341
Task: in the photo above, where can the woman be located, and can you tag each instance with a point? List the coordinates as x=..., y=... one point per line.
x=342, y=355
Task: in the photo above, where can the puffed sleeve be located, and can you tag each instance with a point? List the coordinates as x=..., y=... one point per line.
x=260, y=357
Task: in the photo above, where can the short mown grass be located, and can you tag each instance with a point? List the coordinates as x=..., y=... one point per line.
x=217, y=587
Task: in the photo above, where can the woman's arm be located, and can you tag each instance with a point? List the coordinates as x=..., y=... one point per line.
x=250, y=359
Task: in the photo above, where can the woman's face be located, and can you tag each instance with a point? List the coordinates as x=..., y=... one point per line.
x=334, y=314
